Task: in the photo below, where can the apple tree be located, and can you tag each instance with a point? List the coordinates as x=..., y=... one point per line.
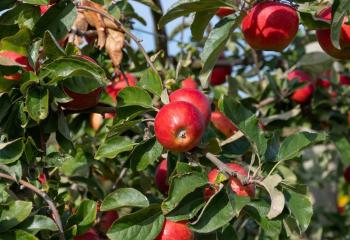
x=244, y=134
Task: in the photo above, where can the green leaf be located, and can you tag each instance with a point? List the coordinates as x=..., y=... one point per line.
x=37, y=102
x=85, y=216
x=227, y=232
x=312, y=23
x=11, y=151
x=114, y=146
x=200, y=23
x=180, y=187
x=315, y=62
x=124, y=197
x=150, y=4
x=151, y=81
x=52, y=48
x=15, y=213
x=145, y=154
x=340, y=9
x=141, y=225
x=5, y=103
x=294, y=144
x=277, y=198
x=37, y=2
x=215, y=44
x=185, y=7
x=68, y=67
x=18, y=235
x=38, y=223
x=343, y=146
x=58, y=20
x=300, y=207
x=216, y=214
x=134, y=96
x=18, y=42
x=245, y=121
x=237, y=202
x=71, y=166
x=22, y=14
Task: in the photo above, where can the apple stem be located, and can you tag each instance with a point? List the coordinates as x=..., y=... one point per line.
x=48, y=200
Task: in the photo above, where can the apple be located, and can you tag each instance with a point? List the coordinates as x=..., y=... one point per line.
x=342, y=202
x=107, y=219
x=219, y=74
x=324, y=37
x=303, y=94
x=270, y=26
x=195, y=97
x=179, y=126
x=347, y=174
x=223, y=123
x=91, y=234
x=96, y=121
x=175, y=231
x=42, y=178
x=162, y=177
x=344, y=80
x=189, y=83
x=224, y=11
x=18, y=58
x=235, y=183
x=324, y=83
x=44, y=8
x=114, y=88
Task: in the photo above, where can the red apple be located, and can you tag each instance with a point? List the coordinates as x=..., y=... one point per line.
x=13, y=77
x=81, y=101
x=223, y=123
x=42, y=178
x=189, y=83
x=270, y=26
x=324, y=83
x=219, y=74
x=324, y=37
x=175, y=231
x=114, y=88
x=162, y=177
x=107, y=219
x=91, y=234
x=347, y=174
x=303, y=94
x=235, y=183
x=179, y=126
x=224, y=11
x=344, y=80
x=44, y=8
x=195, y=97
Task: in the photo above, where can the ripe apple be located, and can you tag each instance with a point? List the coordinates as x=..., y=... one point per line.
x=179, y=126
x=342, y=202
x=107, y=219
x=224, y=11
x=114, y=88
x=270, y=26
x=303, y=94
x=162, y=177
x=42, y=178
x=219, y=73
x=324, y=83
x=195, y=97
x=223, y=123
x=96, y=121
x=347, y=174
x=44, y=8
x=91, y=234
x=235, y=183
x=189, y=83
x=344, y=80
x=324, y=37
x=18, y=58
x=175, y=231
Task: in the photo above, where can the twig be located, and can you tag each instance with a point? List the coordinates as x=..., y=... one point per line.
x=120, y=177
x=127, y=32
x=47, y=199
x=97, y=109
x=231, y=139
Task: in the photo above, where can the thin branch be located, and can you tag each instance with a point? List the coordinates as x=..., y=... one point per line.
x=233, y=138
x=127, y=32
x=97, y=109
x=161, y=39
x=47, y=199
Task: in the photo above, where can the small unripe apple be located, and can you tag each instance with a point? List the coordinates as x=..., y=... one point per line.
x=107, y=219
x=114, y=88
x=324, y=37
x=162, y=177
x=347, y=174
x=219, y=74
x=179, y=126
x=96, y=121
x=195, y=97
x=303, y=94
x=44, y=8
x=224, y=11
x=175, y=231
x=223, y=123
x=344, y=80
x=91, y=234
x=189, y=83
x=235, y=183
x=270, y=26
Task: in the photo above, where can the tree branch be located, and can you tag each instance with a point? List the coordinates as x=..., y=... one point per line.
x=126, y=31
x=47, y=199
x=161, y=37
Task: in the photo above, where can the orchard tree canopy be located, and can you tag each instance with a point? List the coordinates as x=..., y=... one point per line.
x=240, y=133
